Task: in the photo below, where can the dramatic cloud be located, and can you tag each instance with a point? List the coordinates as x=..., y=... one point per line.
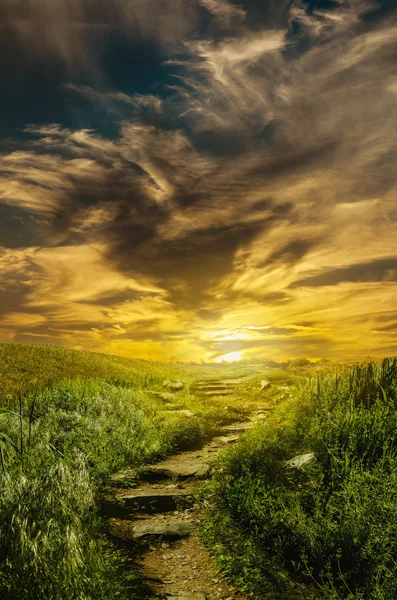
x=186, y=179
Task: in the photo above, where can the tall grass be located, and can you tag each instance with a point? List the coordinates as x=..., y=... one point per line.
x=67, y=421
x=330, y=530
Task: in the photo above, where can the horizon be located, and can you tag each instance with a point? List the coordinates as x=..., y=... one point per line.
x=187, y=180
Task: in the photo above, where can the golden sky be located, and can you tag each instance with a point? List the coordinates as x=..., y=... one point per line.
x=195, y=179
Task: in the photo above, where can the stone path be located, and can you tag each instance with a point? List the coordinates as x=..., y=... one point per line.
x=157, y=509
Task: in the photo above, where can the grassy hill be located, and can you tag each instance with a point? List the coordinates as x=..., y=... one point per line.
x=69, y=419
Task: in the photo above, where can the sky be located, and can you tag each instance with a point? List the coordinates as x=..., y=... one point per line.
x=195, y=180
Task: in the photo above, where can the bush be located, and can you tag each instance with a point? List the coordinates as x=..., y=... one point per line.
x=333, y=523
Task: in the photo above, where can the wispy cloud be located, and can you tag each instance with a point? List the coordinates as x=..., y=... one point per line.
x=261, y=172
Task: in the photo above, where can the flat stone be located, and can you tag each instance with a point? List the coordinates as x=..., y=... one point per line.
x=301, y=461
x=181, y=529
x=265, y=384
x=230, y=439
x=186, y=596
x=146, y=501
x=242, y=427
x=214, y=386
x=173, y=385
x=132, y=530
x=219, y=393
x=179, y=471
x=237, y=380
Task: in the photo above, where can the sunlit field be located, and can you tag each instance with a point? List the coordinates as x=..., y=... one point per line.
x=69, y=420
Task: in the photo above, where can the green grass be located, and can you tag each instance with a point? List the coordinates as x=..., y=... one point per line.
x=68, y=420
x=330, y=530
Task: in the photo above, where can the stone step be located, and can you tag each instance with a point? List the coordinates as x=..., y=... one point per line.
x=229, y=439
x=187, y=596
x=211, y=382
x=220, y=393
x=134, y=530
x=238, y=427
x=176, y=472
x=206, y=386
x=149, y=500
x=214, y=388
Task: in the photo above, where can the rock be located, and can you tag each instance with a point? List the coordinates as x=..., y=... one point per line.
x=181, y=529
x=261, y=416
x=301, y=461
x=173, y=385
x=214, y=387
x=218, y=393
x=146, y=501
x=230, y=439
x=132, y=530
x=265, y=384
x=187, y=596
x=239, y=427
x=177, y=471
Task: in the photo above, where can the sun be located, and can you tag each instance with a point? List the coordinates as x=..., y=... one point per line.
x=230, y=357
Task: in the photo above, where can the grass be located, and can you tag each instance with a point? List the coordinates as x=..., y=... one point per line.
x=68, y=420
x=326, y=531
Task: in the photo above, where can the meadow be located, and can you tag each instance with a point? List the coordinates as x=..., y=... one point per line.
x=68, y=420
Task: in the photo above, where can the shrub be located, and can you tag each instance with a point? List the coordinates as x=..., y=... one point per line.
x=333, y=523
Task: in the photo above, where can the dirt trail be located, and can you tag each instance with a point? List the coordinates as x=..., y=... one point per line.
x=158, y=509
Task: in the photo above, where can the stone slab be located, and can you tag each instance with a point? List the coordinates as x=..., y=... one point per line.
x=301, y=461
x=133, y=530
x=149, y=503
x=173, y=385
x=186, y=596
x=230, y=439
x=178, y=471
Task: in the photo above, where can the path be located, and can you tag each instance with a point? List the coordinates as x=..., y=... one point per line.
x=158, y=509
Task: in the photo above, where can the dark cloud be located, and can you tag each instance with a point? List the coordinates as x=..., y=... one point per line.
x=275, y=298
x=116, y=297
x=292, y=252
x=379, y=270
x=387, y=328
x=380, y=11
x=199, y=260
x=17, y=228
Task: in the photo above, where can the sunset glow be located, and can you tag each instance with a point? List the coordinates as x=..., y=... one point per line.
x=217, y=181
x=231, y=357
